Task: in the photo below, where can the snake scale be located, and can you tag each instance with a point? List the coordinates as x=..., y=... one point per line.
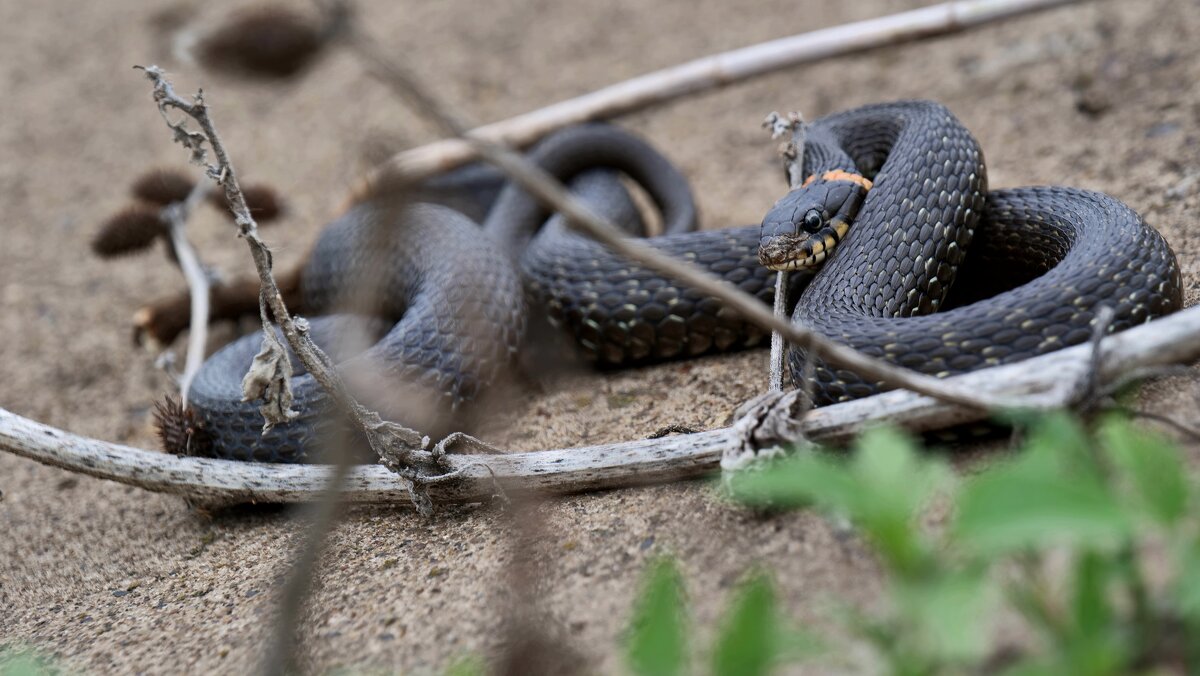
x=919, y=263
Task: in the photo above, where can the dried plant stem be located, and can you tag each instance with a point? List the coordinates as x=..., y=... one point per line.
x=778, y=343
x=709, y=72
x=395, y=441
x=793, y=162
x=1054, y=377
x=176, y=215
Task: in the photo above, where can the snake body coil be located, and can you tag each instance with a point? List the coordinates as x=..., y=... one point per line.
x=922, y=266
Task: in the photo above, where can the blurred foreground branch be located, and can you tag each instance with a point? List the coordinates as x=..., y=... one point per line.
x=551, y=193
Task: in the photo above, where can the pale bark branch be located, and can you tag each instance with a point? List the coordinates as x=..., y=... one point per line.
x=709, y=72
x=1170, y=340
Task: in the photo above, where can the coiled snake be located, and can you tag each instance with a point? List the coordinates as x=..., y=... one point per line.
x=919, y=264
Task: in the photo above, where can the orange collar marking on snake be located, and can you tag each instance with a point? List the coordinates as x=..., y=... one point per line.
x=840, y=175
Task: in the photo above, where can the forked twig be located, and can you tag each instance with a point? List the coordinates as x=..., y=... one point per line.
x=269, y=377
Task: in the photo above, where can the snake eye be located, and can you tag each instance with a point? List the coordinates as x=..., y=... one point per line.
x=812, y=221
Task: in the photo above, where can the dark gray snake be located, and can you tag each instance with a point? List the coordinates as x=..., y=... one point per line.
x=926, y=268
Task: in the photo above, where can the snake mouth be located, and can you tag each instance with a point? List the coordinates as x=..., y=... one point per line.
x=798, y=263
x=786, y=253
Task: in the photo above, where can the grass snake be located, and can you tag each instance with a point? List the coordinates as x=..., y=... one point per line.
x=919, y=264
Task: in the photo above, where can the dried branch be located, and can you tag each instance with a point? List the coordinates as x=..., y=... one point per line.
x=1170, y=340
x=793, y=150
x=709, y=72
x=271, y=370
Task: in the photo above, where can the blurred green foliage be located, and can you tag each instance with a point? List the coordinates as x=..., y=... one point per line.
x=19, y=662
x=1057, y=537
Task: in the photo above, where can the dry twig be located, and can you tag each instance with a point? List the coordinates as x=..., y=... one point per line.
x=175, y=215
x=269, y=376
x=793, y=161
x=709, y=72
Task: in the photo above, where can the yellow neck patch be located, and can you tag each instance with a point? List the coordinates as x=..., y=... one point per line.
x=840, y=175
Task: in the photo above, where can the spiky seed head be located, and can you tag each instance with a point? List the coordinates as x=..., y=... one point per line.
x=271, y=42
x=179, y=430
x=162, y=186
x=263, y=201
x=128, y=231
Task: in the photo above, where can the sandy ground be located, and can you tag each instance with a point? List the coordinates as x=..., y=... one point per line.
x=114, y=579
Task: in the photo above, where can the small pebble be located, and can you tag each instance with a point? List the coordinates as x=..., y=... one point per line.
x=1162, y=129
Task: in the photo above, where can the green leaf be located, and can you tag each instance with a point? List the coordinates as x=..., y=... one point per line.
x=747, y=643
x=20, y=662
x=949, y=614
x=881, y=490
x=893, y=484
x=1187, y=582
x=1051, y=494
x=1151, y=465
x=470, y=665
x=1095, y=646
x=1062, y=437
x=796, y=644
x=800, y=480
x=1090, y=604
x=656, y=642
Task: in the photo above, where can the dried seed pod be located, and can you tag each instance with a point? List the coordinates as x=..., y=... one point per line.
x=262, y=200
x=130, y=230
x=180, y=432
x=163, y=186
x=264, y=42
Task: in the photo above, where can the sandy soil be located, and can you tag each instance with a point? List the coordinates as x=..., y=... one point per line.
x=114, y=579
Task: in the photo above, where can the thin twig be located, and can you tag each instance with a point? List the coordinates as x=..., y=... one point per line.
x=272, y=369
x=778, y=343
x=709, y=72
x=1170, y=340
x=1190, y=431
x=793, y=150
x=399, y=448
x=793, y=158
x=281, y=656
x=1089, y=385
x=194, y=272
x=1146, y=373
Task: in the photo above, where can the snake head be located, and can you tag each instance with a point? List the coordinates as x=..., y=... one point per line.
x=804, y=226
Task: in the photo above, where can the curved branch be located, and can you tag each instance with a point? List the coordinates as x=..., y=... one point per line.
x=1050, y=378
